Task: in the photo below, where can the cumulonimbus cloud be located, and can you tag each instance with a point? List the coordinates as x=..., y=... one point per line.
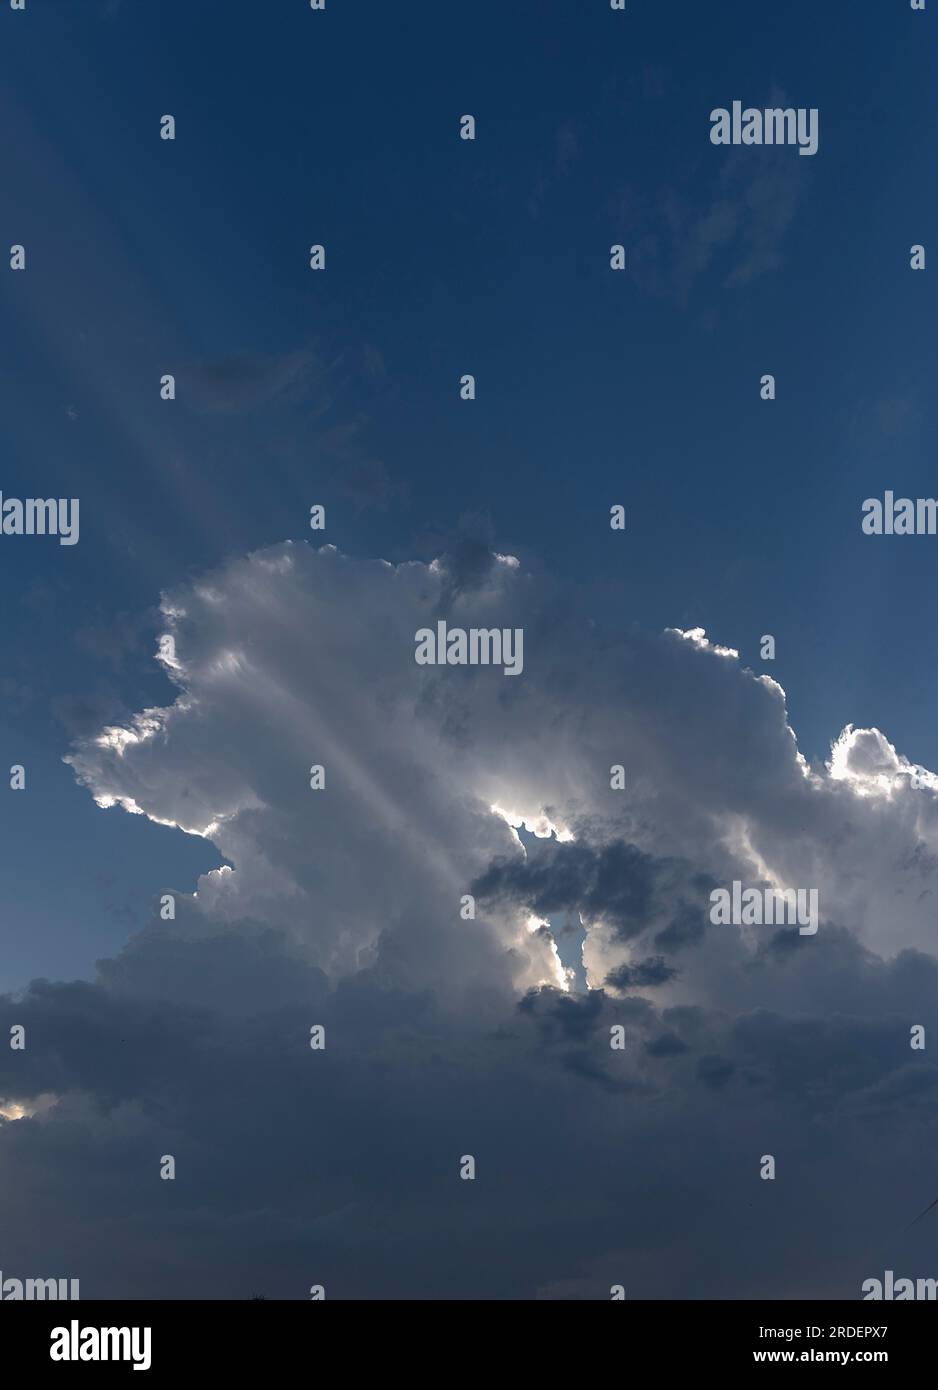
x=341, y=906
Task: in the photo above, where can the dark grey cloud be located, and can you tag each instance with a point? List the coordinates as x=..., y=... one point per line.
x=617, y=883
x=654, y=970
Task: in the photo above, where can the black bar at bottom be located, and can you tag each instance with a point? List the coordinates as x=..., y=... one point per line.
x=65, y=1339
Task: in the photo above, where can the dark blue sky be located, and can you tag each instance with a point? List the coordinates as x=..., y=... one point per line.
x=444, y=257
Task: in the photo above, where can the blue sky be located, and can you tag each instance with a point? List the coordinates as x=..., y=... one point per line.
x=444, y=257
x=447, y=256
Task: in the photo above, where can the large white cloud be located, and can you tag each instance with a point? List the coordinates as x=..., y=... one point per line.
x=295, y=656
